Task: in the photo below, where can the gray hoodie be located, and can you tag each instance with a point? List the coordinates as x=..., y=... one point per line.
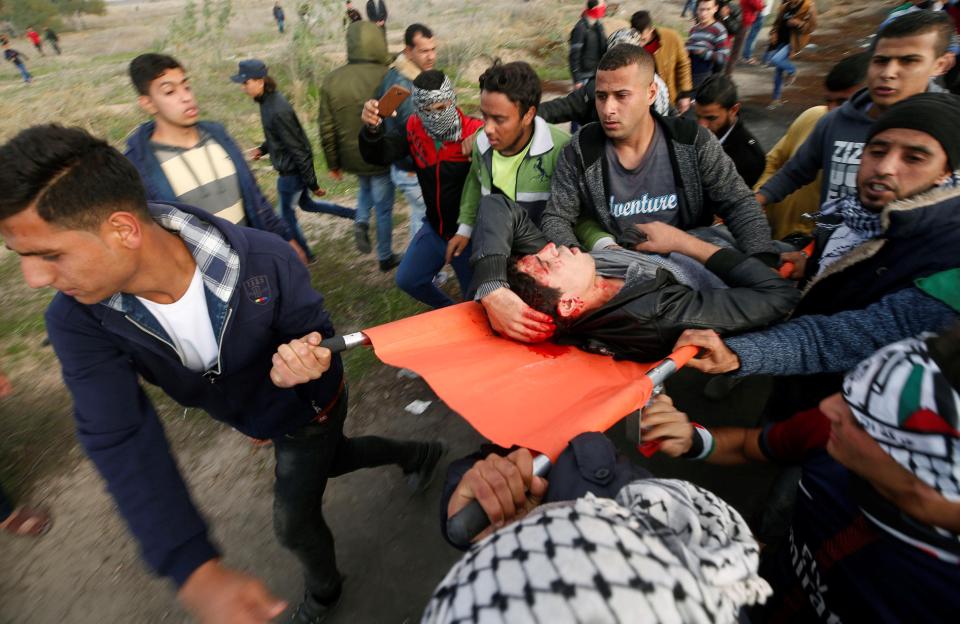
x=835, y=145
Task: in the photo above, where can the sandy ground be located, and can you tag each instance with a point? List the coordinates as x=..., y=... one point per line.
x=87, y=571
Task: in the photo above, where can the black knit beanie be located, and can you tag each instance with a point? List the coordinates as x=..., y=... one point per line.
x=936, y=114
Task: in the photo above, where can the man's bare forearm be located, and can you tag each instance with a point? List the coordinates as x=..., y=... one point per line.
x=735, y=445
x=697, y=249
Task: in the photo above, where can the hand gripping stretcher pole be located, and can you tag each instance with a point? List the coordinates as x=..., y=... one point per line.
x=470, y=521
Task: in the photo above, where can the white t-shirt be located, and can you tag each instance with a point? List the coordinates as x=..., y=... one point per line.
x=187, y=322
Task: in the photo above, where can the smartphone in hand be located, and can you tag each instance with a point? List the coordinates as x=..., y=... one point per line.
x=392, y=100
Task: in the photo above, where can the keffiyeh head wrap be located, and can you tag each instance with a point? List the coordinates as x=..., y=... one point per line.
x=664, y=551
x=442, y=125
x=905, y=402
x=625, y=35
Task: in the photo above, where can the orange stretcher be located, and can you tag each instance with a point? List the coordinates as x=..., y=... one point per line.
x=538, y=396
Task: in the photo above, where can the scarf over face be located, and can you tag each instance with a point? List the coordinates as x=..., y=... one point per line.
x=442, y=125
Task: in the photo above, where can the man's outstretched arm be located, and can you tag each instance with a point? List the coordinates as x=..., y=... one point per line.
x=756, y=295
x=661, y=421
x=814, y=344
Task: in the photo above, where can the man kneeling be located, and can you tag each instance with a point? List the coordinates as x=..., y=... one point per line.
x=622, y=302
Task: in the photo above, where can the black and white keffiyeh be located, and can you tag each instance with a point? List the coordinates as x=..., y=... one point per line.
x=663, y=551
x=903, y=400
x=859, y=225
x=443, y=124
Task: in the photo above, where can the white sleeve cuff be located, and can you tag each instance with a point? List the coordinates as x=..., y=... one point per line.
x=603, y=243
x=464, y=230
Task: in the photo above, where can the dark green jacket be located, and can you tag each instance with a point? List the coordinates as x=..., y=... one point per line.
x=343, y=93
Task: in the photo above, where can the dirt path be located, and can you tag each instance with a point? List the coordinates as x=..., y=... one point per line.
x=87, y=570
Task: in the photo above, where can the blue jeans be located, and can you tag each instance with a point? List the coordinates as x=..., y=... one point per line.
x=755, y=29
x=293, y=192
x=299, y=194
x=280, y=25
x=425, y=256
x=407, y=182
x=23, y=72
x=780, y=59
x=377, y=192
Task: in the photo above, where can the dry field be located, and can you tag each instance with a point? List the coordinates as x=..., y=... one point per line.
x=87, y=569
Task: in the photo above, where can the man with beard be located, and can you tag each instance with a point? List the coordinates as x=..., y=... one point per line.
x=718, y=110
x=871, y=274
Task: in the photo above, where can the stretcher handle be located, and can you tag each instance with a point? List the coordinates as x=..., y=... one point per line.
x=470, y=521
x=339, y=344
x=787, y=267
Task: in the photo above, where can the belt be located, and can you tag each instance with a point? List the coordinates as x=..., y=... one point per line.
x=323, y=413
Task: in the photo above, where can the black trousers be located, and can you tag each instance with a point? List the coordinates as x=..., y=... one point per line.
x=308, y=457
x=6, y=507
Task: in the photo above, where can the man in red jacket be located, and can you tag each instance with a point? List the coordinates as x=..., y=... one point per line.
x=751, y=12
x=434, y=139
x=34, y=38
x=752, y=24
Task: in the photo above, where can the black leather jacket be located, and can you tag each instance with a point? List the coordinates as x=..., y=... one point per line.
x=587, y=44
x=733, y=22
x=579, y=105
x=285, y=141
x=645, y=319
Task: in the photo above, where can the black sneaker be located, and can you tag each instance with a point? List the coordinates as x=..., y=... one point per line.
x=390, y=263
x=419, y=480
x=312, y=611
x=361, y=236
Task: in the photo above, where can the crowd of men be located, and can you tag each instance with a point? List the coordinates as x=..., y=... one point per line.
x=17, y=58
x=660, y=223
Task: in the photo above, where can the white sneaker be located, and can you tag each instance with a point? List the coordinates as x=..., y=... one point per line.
x=441, y=278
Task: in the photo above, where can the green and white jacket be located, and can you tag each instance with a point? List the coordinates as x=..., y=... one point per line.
x=533, y=176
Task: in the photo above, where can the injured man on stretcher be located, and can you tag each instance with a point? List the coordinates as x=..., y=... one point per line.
x=621, y=302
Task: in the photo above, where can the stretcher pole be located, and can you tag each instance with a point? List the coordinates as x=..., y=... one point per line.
x=466, y=524
x=339, y=344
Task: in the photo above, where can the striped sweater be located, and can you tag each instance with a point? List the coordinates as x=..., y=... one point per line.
x=707, y=46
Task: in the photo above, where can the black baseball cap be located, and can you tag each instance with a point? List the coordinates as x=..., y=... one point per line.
x=250, y=68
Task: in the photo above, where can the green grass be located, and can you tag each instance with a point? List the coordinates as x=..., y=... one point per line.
x=89, y=87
